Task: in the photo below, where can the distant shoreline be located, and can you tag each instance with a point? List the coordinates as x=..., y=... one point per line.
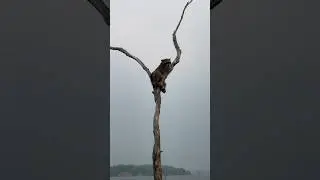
x=144, y=170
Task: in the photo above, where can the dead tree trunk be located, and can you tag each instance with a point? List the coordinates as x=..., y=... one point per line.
x=156, y=153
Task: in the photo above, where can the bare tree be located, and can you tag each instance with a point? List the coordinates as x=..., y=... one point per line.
x=103, y=9
x=156, y=154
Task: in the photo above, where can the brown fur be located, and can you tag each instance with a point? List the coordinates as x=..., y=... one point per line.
x=160, y=74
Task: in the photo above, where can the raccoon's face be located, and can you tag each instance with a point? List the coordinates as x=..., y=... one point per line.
x=166, y=61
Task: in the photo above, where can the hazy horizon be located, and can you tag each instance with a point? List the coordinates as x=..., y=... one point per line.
x=185, y=111
x=168, y=165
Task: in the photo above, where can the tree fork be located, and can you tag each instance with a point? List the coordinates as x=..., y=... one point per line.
x=156, y=153
x=103, y=9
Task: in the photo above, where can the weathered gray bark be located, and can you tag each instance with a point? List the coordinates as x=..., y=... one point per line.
x=156, y=153
x=144, y=67
x=103, y=9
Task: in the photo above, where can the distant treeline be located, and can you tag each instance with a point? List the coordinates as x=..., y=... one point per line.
x=144, y=170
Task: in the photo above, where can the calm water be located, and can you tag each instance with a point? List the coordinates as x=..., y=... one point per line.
x=167, y=178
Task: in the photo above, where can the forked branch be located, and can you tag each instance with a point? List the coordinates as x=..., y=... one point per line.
x=144, y=67
x=156, y=153
x=174, y=37
x=175, y=43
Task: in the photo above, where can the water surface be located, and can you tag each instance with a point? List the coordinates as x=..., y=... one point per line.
x=188, y=177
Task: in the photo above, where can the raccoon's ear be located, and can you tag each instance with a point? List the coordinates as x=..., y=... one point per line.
x=166, y=60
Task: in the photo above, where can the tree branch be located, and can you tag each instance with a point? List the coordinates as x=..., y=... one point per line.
x=102, y=8
x=144, y=67
x=156, y=153
x=174, y=37
x=214, y=3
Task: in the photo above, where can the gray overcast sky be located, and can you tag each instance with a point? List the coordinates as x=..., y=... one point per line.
x=144, y=28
